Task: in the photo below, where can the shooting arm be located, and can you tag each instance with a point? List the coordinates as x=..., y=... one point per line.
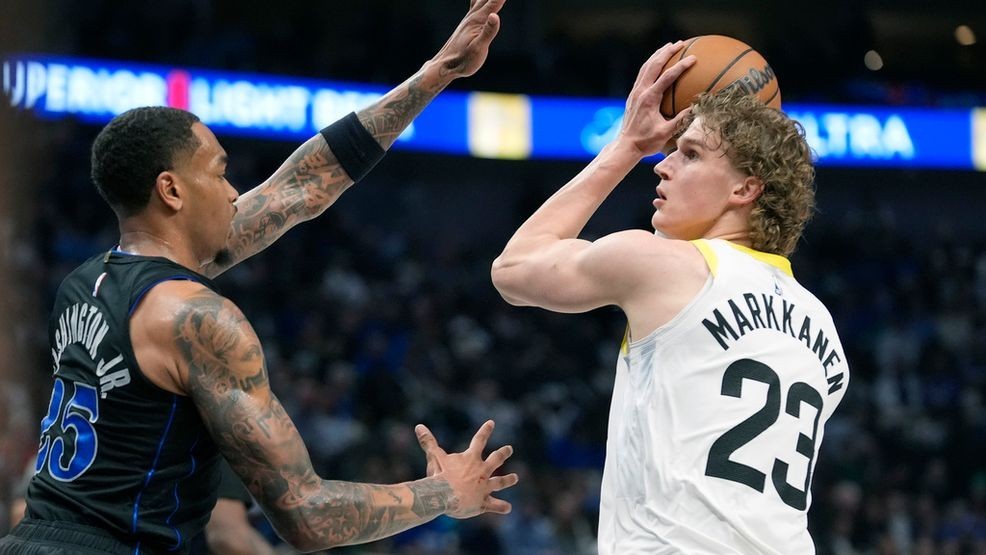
x=545, y=264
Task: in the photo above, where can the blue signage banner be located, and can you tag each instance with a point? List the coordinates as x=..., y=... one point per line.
x=867, y=136
x=477, y=124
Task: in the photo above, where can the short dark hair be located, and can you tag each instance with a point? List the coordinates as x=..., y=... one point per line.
x=134, y=148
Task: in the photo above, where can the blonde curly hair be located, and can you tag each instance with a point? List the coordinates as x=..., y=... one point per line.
x=764, y=143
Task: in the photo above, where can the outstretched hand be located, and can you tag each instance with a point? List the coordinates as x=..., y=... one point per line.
x=467, y=48
x=468, y=474
x=644, y=128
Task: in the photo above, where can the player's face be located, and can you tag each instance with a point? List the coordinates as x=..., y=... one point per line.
x=695, y=187
x=210, y=206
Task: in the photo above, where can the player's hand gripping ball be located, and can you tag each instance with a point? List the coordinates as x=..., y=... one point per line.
x=721, y=62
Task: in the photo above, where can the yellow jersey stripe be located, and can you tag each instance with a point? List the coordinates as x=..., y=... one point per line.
x=776, y=260
x=711, y=258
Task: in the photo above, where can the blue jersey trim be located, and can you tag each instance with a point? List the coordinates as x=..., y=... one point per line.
x=144, y=291
x=150, y=473
x=191, y=471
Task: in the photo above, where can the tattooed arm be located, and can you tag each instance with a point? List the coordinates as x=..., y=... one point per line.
x=221, y=367
x=311, y=179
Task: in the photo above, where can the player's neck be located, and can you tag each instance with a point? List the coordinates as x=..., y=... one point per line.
x=148, y=242
x=739, y=238
x=733, y=227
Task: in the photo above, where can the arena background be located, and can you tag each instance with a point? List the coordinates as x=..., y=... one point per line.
x=380, y=314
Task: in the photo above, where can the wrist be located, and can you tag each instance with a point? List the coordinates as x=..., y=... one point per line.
x=356, y=148
x=431, y=496
x=436, y=73
x=639, y=146
x=623, y=150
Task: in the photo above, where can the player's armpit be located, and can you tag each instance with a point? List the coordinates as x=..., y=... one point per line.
x=226, y=376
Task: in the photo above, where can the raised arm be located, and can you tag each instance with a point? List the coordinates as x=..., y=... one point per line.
x=544, y=263
x=221, y=367
x=311, y=179
x=651, y=278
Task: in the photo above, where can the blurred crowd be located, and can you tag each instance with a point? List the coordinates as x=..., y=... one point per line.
x=371, y=325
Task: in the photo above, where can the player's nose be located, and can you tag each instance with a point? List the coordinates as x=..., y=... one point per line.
x=662, y=169
x=232, y=193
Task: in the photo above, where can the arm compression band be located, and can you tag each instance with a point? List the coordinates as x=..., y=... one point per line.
x=355, y=148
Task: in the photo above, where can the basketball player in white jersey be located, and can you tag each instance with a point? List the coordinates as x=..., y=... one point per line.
x=730, y=368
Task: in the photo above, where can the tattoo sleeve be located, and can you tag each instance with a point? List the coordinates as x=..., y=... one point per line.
x=312, y=179
x=227, y=380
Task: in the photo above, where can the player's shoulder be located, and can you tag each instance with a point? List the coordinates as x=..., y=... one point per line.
x=173, y=303
x=653, y=254
x=180, y=292
x=645, y=268
x=642, y=242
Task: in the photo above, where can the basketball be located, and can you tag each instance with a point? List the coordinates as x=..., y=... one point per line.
x=721, y=62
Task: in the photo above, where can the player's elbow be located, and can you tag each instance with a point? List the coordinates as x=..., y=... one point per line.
x=507, y=279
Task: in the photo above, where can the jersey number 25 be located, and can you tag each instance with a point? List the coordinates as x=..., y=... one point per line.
x=68, y=439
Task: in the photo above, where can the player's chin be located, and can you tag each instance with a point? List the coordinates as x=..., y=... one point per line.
x=657, y=221
x=661, y=226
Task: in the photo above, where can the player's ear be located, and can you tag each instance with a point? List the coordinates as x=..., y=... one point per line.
x=168, y=189
x=748, y=190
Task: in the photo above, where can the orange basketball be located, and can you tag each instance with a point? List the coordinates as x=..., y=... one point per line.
x=721, y=62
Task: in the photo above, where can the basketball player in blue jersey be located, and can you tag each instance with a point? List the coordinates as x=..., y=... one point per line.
x=730, y=368
x=155, y=373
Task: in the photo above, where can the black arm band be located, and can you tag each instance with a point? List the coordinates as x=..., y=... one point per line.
x=355, y=148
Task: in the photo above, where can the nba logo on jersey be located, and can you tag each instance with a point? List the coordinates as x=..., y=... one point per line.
x=99, y=281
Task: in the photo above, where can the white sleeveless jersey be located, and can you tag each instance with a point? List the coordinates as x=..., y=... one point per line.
x=717, y=417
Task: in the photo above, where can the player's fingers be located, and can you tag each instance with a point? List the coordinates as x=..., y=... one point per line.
x=428, y=442
x=498, y=457
x=498, y=483
x=664, y=81
x=651, y=69
x=676, y=121
x=479, y=440
x=491, y=28
x=643, y=67
x=432, y=465
x=498, y=506
x=490, y=6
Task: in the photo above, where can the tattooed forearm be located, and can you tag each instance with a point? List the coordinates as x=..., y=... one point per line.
x=312, y=179
x=359, y=513
x=355, y=513
x=389, y=117
x=307, y=183
x=227, y=380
